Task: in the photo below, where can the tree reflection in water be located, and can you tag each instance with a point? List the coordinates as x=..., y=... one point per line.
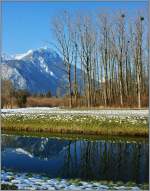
x=89, y=160
x=106, y=161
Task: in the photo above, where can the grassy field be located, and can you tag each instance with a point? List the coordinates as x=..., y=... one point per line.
x=76, y=124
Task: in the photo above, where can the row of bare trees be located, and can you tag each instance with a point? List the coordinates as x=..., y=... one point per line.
x=112, y=54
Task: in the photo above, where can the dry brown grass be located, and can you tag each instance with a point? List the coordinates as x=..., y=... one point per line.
x=64, y=102
x=45, y=102
x=130, y=102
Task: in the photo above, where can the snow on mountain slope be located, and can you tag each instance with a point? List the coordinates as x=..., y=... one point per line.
x=6, y=57
x=12, y=74
x=34, y=147
x=21, y=56
x=38, y=71
x=22, y=151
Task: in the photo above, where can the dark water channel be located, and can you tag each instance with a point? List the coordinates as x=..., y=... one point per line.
x=84, y=159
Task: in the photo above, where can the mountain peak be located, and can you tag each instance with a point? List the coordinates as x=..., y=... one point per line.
x=40, y=52
x=38, y=71
x=24, y=55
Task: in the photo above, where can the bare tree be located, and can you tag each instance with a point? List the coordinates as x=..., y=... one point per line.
x=62, y=30
x=110, y=54
x=87, y=43
x=7, y=90
x=104, y=51
x=138, y=56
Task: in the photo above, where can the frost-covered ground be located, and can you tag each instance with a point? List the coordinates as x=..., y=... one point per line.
x=56, y=110
x=26, y=181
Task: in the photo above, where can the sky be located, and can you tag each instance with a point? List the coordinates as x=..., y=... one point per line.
x=27, y=25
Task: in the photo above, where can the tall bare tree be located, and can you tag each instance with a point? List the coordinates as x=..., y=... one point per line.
x=62, y=30
x=138, y=55
x=111, y=54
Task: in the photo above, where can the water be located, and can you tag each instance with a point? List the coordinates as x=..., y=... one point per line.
x=85, y=159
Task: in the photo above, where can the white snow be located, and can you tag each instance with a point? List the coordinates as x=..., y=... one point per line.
x=7, y=57
x=99, y=112
x=37, y=181
x=44, y=67
x=22, y=151
x=23, y=69
x=13, y=73
x=51, y=73
x=21, y=56
x=41, y=60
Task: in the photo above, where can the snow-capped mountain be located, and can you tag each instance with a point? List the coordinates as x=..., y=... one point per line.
x=7, y=57
x=33, y=147
x=38, y=71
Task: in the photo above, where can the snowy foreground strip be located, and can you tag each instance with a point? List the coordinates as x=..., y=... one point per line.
x=55, y=110
x=37, y=182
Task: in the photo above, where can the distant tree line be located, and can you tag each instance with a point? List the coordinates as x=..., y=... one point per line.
x=12, y=97
x=47, y=94
x=112, y=55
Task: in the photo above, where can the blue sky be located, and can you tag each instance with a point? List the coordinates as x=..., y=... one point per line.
x=26, y=25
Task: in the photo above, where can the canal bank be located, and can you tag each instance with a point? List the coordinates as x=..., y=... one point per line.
x=86, y=122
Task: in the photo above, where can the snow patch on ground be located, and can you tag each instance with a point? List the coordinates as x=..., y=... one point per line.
x=36, y=181
x=57, y=110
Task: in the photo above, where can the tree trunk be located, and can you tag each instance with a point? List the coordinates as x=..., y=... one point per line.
x=70, y=87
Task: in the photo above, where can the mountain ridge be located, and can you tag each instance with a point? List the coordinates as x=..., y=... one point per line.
x=38, y=71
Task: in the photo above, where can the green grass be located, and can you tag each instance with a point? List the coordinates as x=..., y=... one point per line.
x=86, y=125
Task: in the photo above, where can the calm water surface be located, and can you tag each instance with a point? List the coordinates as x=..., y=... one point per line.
x=88, y=160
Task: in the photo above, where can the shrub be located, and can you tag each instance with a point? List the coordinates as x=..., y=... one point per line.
x=21, y=97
